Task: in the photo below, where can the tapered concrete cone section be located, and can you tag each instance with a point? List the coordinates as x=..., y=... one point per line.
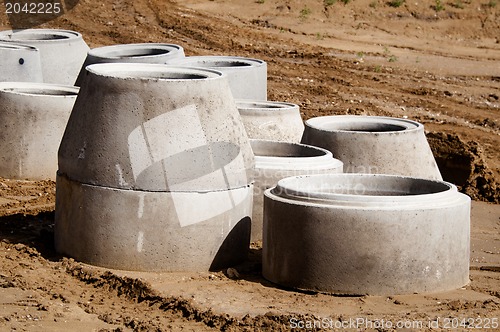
x=156, y=128
x=33, y=117
x=371, y=144
x=271, y=120
x=366, y=234
x=247, y=77
x=277, y=160
x=152, y=231
x=62, y=52
x=20, y=63
x=137, y=53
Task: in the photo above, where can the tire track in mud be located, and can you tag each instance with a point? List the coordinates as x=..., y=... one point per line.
x=116, y=300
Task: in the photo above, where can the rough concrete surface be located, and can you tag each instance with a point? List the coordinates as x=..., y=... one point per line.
x=366, y=234
x=271, y=120
x=247, y=77
x=62, y=52
x=33, y=116
x=20, y=63
x=374, y=145
x=137, y=53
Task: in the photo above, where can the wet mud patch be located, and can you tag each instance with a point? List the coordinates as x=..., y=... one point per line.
x=462, y=163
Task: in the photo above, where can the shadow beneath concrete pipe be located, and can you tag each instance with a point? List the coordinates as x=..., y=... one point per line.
x=33, y=231
x=236, y=242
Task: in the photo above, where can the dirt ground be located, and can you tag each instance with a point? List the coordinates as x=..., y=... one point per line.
x=437, y=62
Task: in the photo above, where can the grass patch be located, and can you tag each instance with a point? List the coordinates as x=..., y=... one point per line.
x=492, y=3
x=439, y=6
x=458, y=4
x=329, y=2
x=395, y=3
x=305, y=12
x=390, y=57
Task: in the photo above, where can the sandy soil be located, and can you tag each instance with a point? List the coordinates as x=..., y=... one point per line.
x=440, y=67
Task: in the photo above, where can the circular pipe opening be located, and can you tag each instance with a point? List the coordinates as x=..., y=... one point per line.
x=215, y=62
x=362, y=124
x=137, y=52
x=370, y=127
x=263, y=148
x=17, y=47
x=40, y=35
x=37, y=36
x=221, y=63
x=151, y=71
x=41, y=91
x=264, y=105
x=133, y=50
x=355, y=186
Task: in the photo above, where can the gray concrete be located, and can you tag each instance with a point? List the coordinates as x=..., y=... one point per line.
x=247, y=77
x=33, y=117
x=20, y=63
x=137, y=53
x=62, y=52
x=374, y=145
x=277, y=160
x=366, y=234
x=271, y=120
x=156, y=128
x=152, y=231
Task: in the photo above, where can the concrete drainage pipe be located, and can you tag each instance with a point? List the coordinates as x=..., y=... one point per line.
x=157, y=128
x=247, y=77
x=366, y=234
x=271, y=120
x=152, y=231
x=155, y=171
x=137, y=53
x=62, y=52
x=33, y=118
x=277, y=160
x=20, y=63
x=372, y=144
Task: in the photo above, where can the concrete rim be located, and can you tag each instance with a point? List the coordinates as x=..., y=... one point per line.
x=363, y=125
x=39, y=89
x=152, y=72
x=17, y=47
x=264, y=107
x=35, y=35
x=134, y=51
x=215, y=61
x=294, y=155
x=360, y=191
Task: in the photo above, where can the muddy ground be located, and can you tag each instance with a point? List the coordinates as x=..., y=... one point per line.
x=437, y=62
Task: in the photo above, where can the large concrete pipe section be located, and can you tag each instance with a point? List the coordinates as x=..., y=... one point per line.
x=20, y=63
x=33, y=117
x=373, y=144
x=366, y=234
x=276, y=160
x=137, y=53
x=247, y=77
x=156, y=128
x=271, y=120
x=155, y=171
x=62, y=52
